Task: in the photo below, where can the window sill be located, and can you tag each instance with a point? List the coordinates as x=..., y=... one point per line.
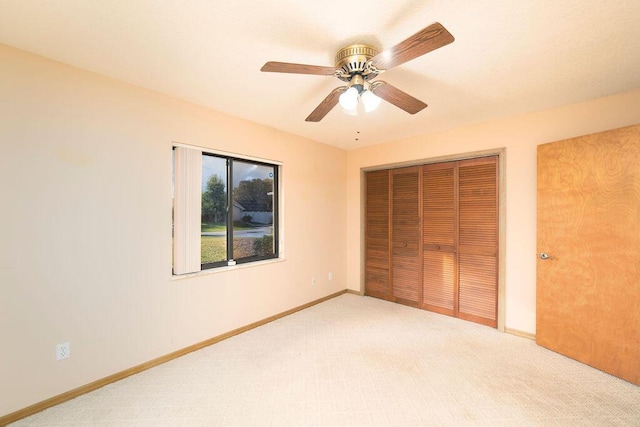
x=227, y=268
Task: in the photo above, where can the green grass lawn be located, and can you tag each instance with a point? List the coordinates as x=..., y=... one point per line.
x=212, y=249
x=237, y=225
x=212, y=227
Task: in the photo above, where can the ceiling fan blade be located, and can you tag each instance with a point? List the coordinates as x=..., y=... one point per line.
x=424, y=41
x=326, y=105
x=286, y=67
x=397, y=97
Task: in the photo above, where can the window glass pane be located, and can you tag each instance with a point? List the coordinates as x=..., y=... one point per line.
x=253, y=210
x=213, y=240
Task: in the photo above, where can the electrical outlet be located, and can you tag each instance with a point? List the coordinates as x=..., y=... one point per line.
x=314, y=281
x=63, y=351
x=330, y=276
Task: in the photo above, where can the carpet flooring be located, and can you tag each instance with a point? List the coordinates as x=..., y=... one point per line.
x=360, y=361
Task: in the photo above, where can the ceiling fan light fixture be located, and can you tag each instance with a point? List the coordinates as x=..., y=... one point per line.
x=349, y=99
x=370, y=100
x=359, y=64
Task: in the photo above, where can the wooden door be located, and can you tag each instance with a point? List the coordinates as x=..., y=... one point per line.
x=377, y=242
x=460, y=239
x=588, y=287
x=478, y=240
x=440, y=236
x=406, y=269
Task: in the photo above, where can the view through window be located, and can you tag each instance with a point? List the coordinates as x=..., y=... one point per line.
x=238, y=210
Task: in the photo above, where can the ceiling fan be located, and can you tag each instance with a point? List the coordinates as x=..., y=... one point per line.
x=359, y=64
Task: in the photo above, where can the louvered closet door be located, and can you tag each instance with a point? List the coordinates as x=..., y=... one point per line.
x=439, y=226
x=406, y=268
x=478, y=240
x=377, y=282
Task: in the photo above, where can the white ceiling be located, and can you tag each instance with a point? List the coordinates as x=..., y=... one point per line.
x=508, y=57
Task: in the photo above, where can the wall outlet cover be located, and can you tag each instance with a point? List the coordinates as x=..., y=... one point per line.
x=63, y=350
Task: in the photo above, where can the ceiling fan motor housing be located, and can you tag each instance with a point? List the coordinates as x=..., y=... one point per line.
x=354, y=60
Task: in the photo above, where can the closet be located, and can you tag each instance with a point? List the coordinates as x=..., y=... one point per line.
x=431, y=237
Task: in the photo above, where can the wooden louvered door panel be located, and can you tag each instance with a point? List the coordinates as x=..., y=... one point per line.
x=478, y=240
x=377, y=260
x=439, y=227
x=432, y=237
x=406, y=268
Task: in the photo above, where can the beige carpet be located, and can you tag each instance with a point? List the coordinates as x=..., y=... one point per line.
x=361, y=361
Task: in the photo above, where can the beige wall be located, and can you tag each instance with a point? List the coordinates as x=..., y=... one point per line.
x=519, y=136
x=86, y=228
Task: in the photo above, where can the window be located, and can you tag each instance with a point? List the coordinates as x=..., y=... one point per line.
x=224, y=210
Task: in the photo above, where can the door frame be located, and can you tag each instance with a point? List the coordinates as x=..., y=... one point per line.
x=502, y=213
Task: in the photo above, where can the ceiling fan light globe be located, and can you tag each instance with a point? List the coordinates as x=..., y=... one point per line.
x=370, y=101
x=349, y=99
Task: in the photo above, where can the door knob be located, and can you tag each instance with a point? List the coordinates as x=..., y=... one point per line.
x=544, y=255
